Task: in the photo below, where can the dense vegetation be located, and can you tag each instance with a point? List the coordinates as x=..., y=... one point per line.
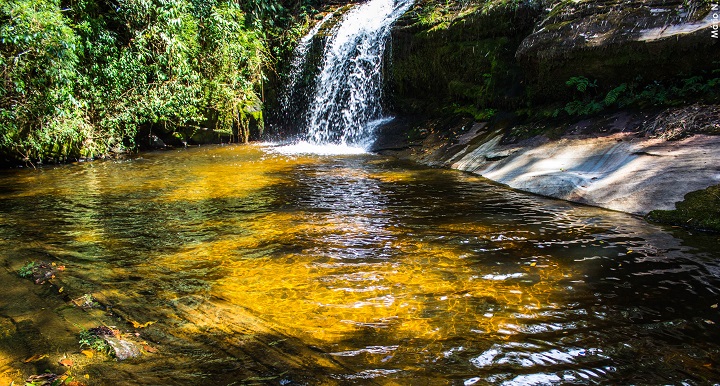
x=86, y=78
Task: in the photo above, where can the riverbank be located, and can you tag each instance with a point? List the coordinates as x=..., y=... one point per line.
x=634, y=162
x=611, y=104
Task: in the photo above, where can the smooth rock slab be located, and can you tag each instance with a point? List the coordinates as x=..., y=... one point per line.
x=619, y=172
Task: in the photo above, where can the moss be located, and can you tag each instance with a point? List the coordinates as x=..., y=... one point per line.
x=699, y=210
x=466, y=59
x=476, y=114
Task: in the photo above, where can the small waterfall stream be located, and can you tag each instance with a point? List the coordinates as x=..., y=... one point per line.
x=346, y=102
x=298, y=62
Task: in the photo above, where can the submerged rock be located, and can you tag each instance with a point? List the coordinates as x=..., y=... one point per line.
x=43, y=379
x=7, y=327
x=123, y=349
x=119, y=347
x=40, y=271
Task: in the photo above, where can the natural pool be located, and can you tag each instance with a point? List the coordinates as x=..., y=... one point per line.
x=255, y=267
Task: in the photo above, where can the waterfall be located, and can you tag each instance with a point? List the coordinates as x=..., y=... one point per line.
x=348, y=89
x=297, y=64
x=346, y=102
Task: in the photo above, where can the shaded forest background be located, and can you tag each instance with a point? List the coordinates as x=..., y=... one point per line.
x=81, y=79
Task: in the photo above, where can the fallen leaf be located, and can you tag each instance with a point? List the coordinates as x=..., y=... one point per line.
x=150, y=349
x=88, y=353
x=533, y=264
x=66, y=362
x=61, y=290
x=61, y=268
x=141, y=325
x=35, y=358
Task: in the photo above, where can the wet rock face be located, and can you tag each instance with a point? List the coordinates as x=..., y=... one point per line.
x=624, y=161
x=617, y=41
x=493, y=55
x=465, y=56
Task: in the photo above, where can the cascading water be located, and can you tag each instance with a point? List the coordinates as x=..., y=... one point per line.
x=348, y=89
x=298, y=62
x=345, y=105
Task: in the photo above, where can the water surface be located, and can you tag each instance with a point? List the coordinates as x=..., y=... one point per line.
x=258, y=267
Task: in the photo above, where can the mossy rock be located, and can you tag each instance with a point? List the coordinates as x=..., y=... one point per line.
x=467, y=60
x=699, y=210
x=603, y=40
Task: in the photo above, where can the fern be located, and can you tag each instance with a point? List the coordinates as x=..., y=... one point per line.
x=581, y=83
x=593, y=107
x=612, y=97
x=580, y=108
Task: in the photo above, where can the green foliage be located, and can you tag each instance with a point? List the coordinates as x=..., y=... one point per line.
x=613, y=96
x=233, y=59
x=583, y=108
x=477, y=114
x=263, y=11
x=80, y=79
x=581, y=83
x=94, y=342
x=27, y=270
x=441, y=14
x=589, y=102
x=38, y=109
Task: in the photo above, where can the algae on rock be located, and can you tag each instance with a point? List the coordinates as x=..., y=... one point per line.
x=700, y=209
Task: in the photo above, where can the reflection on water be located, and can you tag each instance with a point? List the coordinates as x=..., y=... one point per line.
x=262, y=267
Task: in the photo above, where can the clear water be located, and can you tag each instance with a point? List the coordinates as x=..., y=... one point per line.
x=258, y=267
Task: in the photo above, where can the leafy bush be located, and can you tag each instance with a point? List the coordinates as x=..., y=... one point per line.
x=588, y=101
x=38, y=108
x=81, y=79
